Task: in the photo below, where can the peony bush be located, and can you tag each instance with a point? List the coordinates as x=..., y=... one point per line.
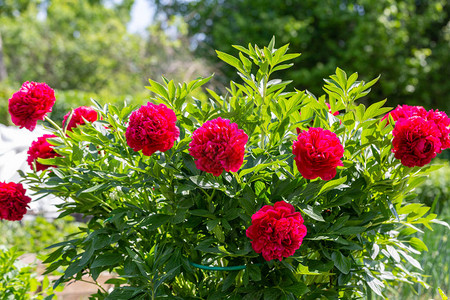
x=264, y=192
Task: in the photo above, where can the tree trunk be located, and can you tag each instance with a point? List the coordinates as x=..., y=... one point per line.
x=3, y=73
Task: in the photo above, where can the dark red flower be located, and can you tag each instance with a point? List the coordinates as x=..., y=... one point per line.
x=41, y=149
x=317, y=153
x=442, y=121
x=31, y=103
x=152, y=128
x=416, y=141
x=277, y=231
x=79, y=116
x=406, y=111
x=13, y=202
x=218, y=145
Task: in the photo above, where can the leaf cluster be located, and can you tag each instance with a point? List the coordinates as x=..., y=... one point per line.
x=167, y=229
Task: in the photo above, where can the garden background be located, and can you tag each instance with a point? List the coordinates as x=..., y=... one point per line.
x=107, y=50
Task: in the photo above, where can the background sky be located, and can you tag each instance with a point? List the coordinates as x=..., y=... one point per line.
x=141, y=16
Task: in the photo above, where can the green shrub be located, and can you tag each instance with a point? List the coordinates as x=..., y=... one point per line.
x=170, y=230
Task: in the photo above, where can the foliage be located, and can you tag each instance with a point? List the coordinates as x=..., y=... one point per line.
x=435, y=263
x=433, y=192
x=168, y=229
x=18, y=280
x=406, y=41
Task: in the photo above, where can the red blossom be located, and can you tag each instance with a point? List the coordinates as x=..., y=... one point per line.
x=318, y=153
x=13, y=201
x=41, y=148
x=277, y=231
x=152, y=128
x=406, y=111
x=439, y=118
x=218, y=145
x=416, y=141
x=442, y=122
x=31, y=103
x=79, y=116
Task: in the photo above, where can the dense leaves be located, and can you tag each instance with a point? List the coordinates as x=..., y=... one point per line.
x=168, y=229
x=406, y=41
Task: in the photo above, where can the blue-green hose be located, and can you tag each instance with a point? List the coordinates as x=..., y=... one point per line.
x=232, y=268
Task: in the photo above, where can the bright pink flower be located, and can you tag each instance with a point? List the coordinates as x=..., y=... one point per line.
x=406, y=111
x=13, y=202
x=41, y=149
x=277, y=231
x=218, y=145
x=152, y=128
x=318, y=153
x=31, y=103
x=416, y=141
x=79, y=115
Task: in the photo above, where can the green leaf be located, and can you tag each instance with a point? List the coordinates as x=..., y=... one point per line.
x=108, y=259
x=332, y=184
x=341, y=262
x=411, y=259
x=158, y=89
x=393, y=253
x=154, y=221
x=204, y=182
x=92, y=189
x=313, y=212
x=229, y=280
x=342, y=77
x=202, y=213
x=281, y=67
x=374, y=110
x=218, y=232
x=298, y=289
x=375, y=284
x=272, y=294
x=418, y=244
x=231, y=60
x=198, y=83
x=351, y=230
x=442, y=294
x=254, y=272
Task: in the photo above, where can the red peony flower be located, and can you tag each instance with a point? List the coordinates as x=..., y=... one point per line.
x=13, y=202
x=218, y=145
x=276, y=231
x=41, y=149
x=31, y=103
x=79, y=116
x=406, y=111
x=152, y=128
x=317, y=153
x=442, y=121
x=416, y=141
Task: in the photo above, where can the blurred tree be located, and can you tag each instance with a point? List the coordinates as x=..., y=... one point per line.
x=84, y=45
x=406, y=41
x=72, y=44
